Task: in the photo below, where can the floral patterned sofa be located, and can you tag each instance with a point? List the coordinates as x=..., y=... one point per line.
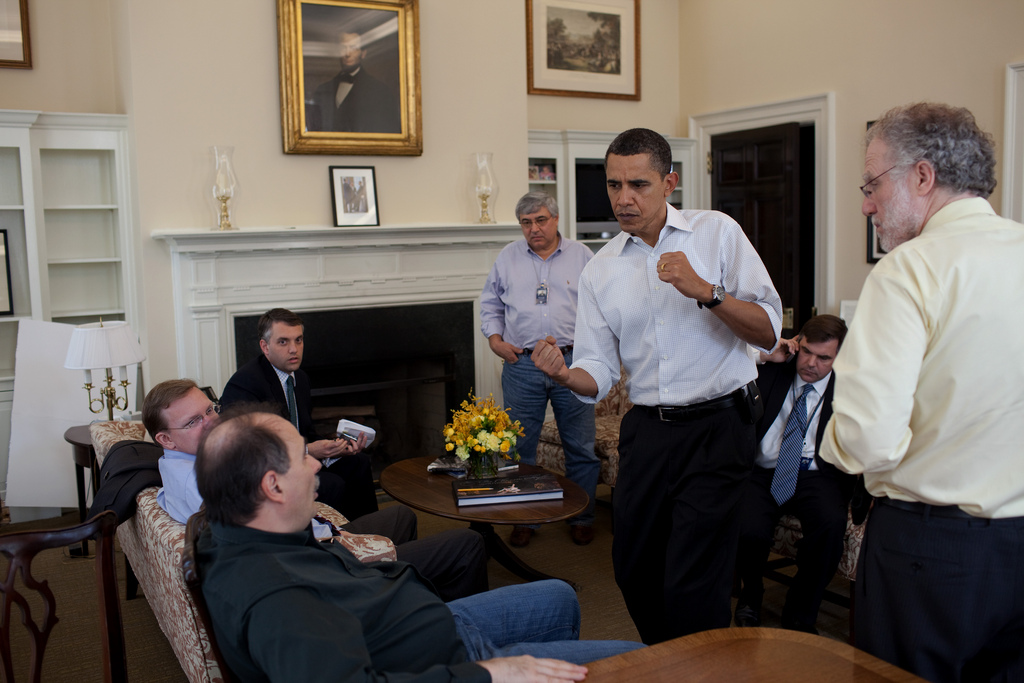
x=152, y=542
x=608, y=415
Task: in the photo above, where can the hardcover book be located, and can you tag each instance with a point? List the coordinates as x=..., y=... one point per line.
x=508, y=489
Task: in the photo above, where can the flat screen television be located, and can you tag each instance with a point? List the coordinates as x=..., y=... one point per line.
x=594, y=216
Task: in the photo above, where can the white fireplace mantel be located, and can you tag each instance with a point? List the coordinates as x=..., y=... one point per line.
x=219, y=275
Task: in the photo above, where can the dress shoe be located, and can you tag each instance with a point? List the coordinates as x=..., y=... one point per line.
x=747, y=616
x=521, y=536
x=581, y=535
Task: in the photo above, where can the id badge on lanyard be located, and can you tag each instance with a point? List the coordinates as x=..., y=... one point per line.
x=542, y=293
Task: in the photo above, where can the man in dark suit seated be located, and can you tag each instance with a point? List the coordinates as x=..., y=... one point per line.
x=346, y=480
x=789, y=477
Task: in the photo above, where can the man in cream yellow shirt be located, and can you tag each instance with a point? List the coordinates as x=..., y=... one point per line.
x=929, y=405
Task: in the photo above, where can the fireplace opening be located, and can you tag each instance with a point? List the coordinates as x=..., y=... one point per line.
x=399, y=369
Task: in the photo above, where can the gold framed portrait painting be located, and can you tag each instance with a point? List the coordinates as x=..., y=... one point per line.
x=350, y=77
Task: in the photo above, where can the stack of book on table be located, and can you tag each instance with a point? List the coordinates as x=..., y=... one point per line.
x=518, y=488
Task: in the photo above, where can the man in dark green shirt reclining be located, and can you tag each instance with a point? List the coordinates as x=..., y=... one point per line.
x=287, y=608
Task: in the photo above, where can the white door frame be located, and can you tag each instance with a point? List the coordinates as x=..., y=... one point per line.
x=1013, y=144
x=819, y=110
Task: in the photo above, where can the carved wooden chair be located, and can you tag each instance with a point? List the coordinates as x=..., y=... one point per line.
x=195, y=526
x=20, y=548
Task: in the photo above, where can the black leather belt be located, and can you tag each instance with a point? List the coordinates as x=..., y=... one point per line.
x=692, y=411
x=926, y=510
x=564, y=349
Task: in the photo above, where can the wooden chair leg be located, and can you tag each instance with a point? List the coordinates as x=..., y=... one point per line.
x=853, y=608
x=131, y=582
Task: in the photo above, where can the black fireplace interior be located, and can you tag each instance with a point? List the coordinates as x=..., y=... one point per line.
x=398, y=369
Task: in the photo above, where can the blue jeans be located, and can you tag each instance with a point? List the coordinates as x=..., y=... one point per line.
x=541, y=619
x=527, y=392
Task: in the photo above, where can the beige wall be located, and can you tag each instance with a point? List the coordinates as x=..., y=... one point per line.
x=192, y=74
x=224, y=89
x=873, y=54
x=72, y=61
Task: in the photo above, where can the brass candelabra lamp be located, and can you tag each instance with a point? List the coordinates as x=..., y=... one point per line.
x=224, y=185
x=105, y=346
x=486, y=184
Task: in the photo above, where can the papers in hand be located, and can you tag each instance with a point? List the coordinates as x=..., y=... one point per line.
x=355, y=429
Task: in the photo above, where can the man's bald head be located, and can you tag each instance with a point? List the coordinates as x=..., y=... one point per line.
x=232, y=459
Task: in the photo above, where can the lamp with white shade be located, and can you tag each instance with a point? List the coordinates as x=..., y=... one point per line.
x=105, y=346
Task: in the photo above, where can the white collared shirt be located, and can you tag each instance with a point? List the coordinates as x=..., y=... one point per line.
x=771, y=442
x=675, y=353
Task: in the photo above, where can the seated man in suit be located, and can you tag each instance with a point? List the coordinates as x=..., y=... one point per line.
x=346, y=480
x=177, y=414
x=790, y=478
x=285, y=607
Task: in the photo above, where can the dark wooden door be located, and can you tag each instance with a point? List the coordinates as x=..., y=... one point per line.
x=756, y=180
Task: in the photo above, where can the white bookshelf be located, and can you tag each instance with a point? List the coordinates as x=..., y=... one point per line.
x=65, y=204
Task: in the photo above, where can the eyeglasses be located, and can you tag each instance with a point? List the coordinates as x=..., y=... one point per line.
x=863, y=188
x=199, y=419
x=540, y=221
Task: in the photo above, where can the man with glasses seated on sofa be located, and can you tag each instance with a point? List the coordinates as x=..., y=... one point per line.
x=177, y=414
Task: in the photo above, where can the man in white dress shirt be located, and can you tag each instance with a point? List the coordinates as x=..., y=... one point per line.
x=674, y=299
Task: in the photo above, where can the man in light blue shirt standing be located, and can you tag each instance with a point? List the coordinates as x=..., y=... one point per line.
x=530, y=295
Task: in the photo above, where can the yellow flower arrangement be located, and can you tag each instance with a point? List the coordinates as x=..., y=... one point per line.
x=480, y=433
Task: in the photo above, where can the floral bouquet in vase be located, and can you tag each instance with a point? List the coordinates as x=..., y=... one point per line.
x=480, y=435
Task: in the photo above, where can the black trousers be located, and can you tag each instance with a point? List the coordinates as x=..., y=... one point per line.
x=821, y=507
x=454, y=561
x=675, y=505
x=347, y=486
x=942, y=597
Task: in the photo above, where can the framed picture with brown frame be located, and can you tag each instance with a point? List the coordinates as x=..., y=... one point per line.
x=15, y=48
x=583, y=49
x=350, y=77
x=354, y=195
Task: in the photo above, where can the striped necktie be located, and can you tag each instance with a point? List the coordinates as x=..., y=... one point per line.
x=788, y=465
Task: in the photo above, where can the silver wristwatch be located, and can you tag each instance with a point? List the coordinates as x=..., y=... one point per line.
x=717, y=297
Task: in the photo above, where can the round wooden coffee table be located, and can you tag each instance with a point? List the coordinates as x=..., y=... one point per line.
x=409, y=482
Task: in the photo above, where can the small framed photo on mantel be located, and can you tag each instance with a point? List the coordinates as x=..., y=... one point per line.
x=354, y=194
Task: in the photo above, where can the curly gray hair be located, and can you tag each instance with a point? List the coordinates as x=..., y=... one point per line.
x=948, y=138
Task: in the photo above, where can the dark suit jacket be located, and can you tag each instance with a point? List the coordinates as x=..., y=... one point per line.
x=256, y=381
x=371, y=106
x=775, y=381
